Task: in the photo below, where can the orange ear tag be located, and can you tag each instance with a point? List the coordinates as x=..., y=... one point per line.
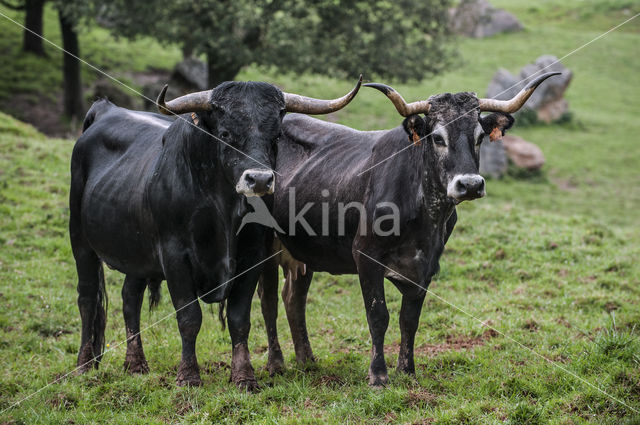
x=496, y=134
x=415, y=138
x=194, y=118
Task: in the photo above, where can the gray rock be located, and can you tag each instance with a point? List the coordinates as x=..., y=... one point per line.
x=493, y=159
x=191, y=73
x=478, y=19
x=548, y=100
x=105, y=89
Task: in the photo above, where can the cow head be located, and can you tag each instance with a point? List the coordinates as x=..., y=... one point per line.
x=246, y=119
x=453, y=129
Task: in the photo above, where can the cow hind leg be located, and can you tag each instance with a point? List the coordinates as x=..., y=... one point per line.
x=409, y=318
x=132, y=296
x=294, y=295
x=92, y=301
x=268, y=291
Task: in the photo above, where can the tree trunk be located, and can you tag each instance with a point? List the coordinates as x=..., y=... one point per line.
x=73, y=105
x=33, y=21
x=220, y=70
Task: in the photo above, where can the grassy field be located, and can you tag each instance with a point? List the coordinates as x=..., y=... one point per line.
x=550, y=261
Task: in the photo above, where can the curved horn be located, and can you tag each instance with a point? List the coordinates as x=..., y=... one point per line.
x=405, y=109
x=309, y=105
x=193, y=102
x=510, y=106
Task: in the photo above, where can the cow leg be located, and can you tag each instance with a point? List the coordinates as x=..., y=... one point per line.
x=132, y=295
x=268, y=291
x=189, y=316
x=239, y=322
x=294, y=295
x=91, y=303
x=409, y=318
x=372, y=286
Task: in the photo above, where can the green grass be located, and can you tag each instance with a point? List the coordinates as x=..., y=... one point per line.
x=550, y=261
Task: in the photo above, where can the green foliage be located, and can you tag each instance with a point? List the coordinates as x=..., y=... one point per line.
x=383, y=39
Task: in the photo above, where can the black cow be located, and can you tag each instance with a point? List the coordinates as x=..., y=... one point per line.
x=162, y=198
x=378, y=203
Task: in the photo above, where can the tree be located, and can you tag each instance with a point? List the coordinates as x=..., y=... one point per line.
x=32, y=35
x=73, y=102
x=385, y=39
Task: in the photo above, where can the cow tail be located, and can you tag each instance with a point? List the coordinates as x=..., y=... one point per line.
x=221, y=314
x=100, y=321
x=154, y=293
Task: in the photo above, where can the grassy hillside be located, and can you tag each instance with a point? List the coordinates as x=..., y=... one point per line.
x=550, y=261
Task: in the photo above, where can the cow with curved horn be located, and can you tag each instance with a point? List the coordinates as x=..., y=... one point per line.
x=380, y=204
x=159, y=198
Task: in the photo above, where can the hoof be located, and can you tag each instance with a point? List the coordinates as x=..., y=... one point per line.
x=249, y=385
x=192, y=381
x=136, y=366
x=380, y=380
x=86, y=360
x=188, y=376
x=275, y=368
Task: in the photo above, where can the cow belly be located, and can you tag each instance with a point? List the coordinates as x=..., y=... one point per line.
x=118, y=229
x=321, y=254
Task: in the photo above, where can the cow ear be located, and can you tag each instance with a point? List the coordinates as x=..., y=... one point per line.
x=496, y=124
x=416, y=128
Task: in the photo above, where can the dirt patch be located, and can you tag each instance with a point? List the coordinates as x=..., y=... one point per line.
x=328, y=381
x=452, y=343
x=63, y=401
x=420, y=397
x=43, y=113
x=212, y=367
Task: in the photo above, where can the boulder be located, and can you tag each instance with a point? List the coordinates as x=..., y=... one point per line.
x=478, y=19
x=493, y=159
x=548, y=100
x=120, y=96
x=191, y=74
x=522, y=153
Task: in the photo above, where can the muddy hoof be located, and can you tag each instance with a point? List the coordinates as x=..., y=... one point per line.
x=191, y=381
x=378, y=380
x=86, y=360
x=136, y=366
x=275, y=366
x=249, y=385
x=188, y=376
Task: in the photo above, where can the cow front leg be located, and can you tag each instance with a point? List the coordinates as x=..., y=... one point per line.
x=294, y=295
x=238, y=320
x=268, y=291
x=372, y=286
x=189, y=317
x=132, y=296
x=409, y=318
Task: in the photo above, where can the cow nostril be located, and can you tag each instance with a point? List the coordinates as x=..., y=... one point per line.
x=270, y=181
x=481, y=186
x=461, y=188
x=251, y=182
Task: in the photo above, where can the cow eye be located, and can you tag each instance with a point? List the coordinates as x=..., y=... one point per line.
x=224, y=134
x=438, y=140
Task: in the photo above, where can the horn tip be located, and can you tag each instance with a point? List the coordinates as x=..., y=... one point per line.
x=535, y=82
x=382, y=87
x=160, y=102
